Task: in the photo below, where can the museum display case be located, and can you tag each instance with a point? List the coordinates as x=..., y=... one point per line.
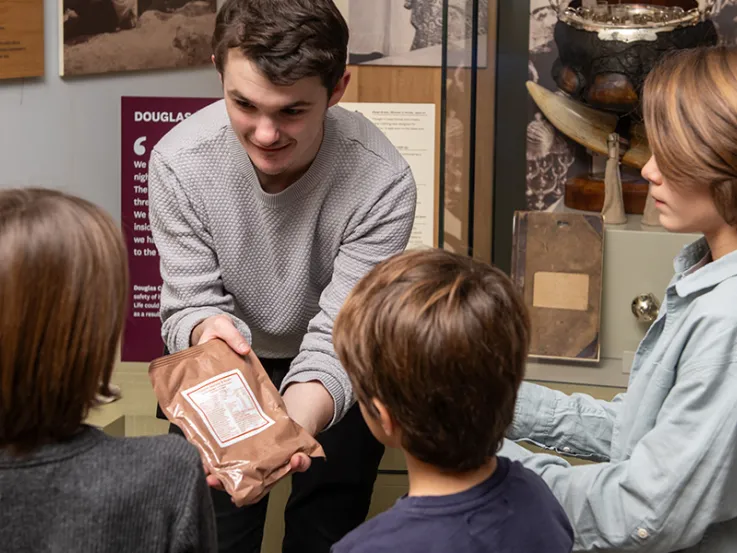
x=568, y=143
x=466, y=121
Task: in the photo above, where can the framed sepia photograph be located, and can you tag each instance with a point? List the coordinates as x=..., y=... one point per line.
x=410, y=32
x=105, y=36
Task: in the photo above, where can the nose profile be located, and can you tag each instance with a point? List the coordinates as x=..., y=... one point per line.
x=650, y=171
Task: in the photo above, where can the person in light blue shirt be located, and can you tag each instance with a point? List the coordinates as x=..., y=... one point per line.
x=667, y=480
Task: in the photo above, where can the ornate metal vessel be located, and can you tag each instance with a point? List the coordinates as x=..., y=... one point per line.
x=605, y=52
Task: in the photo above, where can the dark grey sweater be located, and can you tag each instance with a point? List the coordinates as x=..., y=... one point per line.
x=96, y=493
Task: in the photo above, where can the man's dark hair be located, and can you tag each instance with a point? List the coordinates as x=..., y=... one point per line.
x=441, y=340
x=287, y=40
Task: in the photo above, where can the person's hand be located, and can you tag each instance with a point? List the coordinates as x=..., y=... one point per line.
x=310, y=405
x=222, y=327
x=212, y=481
x=299, y=462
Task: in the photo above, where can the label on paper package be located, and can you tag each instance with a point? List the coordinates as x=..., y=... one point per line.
x=228, y=407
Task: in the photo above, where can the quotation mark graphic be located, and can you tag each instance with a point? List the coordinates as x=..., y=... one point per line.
x=138, y=146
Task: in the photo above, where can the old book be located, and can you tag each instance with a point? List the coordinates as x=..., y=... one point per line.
x=21, y=38
x=557, y=262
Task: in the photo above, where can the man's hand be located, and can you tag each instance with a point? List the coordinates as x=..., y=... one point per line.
x=220, y=326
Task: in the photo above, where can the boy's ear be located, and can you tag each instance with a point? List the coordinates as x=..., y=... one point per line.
x=385, y=419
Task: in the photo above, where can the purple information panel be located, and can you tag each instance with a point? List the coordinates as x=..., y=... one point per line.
x=144, y=121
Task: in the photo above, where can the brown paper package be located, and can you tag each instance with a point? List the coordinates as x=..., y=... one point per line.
x=227, y=406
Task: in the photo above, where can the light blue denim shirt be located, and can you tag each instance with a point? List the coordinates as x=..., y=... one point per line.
x=668, y=477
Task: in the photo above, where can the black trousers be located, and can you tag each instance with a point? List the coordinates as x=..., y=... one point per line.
x=326, y=502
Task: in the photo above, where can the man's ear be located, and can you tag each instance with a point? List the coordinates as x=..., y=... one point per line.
x=340, y=89
x=220, y=75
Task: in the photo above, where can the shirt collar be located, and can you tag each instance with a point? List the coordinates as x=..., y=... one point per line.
x=697, y=272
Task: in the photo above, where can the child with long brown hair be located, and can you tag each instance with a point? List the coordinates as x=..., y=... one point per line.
x=65, y=486
x=668, y=477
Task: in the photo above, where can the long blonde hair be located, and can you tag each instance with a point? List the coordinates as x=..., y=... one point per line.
x=690, y=112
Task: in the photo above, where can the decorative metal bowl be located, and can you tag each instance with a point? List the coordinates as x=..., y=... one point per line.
x=631, y=22
x=605, y=52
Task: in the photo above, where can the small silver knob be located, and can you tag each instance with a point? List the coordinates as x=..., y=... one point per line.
x=645, y=308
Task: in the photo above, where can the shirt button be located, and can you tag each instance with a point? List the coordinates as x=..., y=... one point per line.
x=642, y=533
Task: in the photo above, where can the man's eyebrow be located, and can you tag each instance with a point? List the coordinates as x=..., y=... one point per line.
x=298, y=104
x=238, y=96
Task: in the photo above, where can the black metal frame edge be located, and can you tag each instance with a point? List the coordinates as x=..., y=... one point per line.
x=510, y=128
x=443, y=105
x=472, y=124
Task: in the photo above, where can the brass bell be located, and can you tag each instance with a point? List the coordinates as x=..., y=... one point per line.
x=645, y=308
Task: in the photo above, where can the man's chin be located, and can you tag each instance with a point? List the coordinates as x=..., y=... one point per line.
x=270, y=169
x=268, y=165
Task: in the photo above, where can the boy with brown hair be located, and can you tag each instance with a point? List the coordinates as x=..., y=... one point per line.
x=435, y=345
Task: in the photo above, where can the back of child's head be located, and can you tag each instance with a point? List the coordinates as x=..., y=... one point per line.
x=63, y=290
x=690, y=112
x=441, y=341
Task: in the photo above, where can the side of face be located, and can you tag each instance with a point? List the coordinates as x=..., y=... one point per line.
x=280, y=127
x=682, y=208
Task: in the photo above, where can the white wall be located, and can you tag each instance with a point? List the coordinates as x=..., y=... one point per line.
x=65, y=133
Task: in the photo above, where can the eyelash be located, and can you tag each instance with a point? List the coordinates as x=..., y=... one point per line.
x=288, y=112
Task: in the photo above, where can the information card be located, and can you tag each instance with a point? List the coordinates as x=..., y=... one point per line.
x=411, y=128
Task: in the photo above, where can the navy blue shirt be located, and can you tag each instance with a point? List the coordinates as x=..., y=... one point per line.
x=512, y=511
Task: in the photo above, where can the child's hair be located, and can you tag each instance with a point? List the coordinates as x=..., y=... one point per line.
x=63, y=291
x=441, y=340
x=690, y=112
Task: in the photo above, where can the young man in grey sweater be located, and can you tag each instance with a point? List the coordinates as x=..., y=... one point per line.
x=266, y=208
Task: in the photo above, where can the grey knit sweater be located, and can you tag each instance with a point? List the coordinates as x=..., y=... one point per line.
x=99, y=494
x=281, y=264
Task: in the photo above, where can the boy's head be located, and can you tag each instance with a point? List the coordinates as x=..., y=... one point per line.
x=63, y=290
x=435, y=346
x=282, y=63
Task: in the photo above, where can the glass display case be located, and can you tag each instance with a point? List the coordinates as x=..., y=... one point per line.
x=531, y=126
x=467, y=127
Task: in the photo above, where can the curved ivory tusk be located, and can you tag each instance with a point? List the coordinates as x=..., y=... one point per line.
x=588, y=126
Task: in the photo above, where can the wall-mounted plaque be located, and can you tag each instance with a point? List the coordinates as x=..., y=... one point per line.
x=21, y=38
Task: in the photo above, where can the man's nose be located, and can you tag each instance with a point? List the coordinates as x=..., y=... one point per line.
x=267, y=133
